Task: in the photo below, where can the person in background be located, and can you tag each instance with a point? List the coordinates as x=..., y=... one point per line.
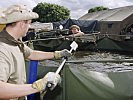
x=131, y=31
x=129, y=35
x=76, y=31
x=13, y=53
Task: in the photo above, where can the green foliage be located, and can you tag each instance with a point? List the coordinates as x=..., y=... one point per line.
x=51, y=12
x=100, y=8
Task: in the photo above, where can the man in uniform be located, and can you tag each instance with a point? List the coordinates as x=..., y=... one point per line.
x=13, y=53
x=76, y=31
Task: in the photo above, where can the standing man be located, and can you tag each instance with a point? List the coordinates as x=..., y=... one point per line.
x=13, y=54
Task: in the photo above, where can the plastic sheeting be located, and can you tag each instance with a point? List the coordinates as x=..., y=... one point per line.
x=85, y=25
x=60, y=44
x=103, y=44
x=109, y=44
x=52, y=45
x=79, y=83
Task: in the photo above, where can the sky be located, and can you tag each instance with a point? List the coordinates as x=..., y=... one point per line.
x=77, y=7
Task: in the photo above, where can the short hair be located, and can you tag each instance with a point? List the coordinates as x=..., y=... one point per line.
x=11, y=24
x=75, y=26
x=14, y=23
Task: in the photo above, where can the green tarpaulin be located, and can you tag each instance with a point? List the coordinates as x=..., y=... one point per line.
x=79, y=83
x=103, y=44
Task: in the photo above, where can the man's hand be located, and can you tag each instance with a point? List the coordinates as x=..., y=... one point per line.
x=63, y=53
x=51, y=78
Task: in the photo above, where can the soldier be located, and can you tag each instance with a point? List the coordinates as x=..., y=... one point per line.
x=13, y=53
x=76, y=31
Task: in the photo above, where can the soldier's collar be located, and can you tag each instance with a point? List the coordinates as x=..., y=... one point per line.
x=7, y=38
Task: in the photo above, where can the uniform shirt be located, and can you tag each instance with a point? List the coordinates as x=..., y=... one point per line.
x=12, y=62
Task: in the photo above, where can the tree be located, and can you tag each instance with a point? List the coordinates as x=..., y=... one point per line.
x=100, y=8
x=51, y=12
